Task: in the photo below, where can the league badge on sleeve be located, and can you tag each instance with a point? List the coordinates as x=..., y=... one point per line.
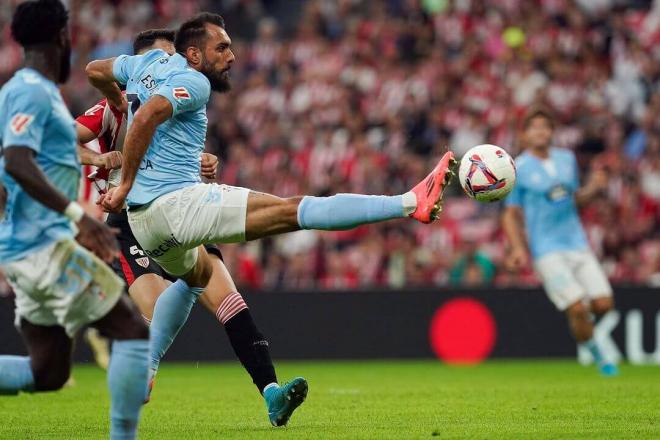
x=180, y=93
x=20, y=122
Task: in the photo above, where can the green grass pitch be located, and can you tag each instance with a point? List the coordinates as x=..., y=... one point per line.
x=362, y=400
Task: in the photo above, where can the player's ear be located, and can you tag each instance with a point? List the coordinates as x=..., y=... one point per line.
x=194, y=56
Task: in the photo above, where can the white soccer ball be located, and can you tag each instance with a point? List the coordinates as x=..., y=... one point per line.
x=487, y=173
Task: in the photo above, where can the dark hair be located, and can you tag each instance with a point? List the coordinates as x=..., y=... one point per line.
x=147, y=38
x=538, y=112
x=193, y=31
x=38, y=22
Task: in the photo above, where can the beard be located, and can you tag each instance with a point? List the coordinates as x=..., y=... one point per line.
x=219, y=79
x=65, y=64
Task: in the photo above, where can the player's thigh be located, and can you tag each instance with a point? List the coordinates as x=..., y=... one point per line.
x=145, y=291
x=63, y=284
x=269, y=215
x=559, y=281
x=122, y=322
x=50, y=350
x=174, y=225
x=141, y=274
x=220, y=286
x=591, y=276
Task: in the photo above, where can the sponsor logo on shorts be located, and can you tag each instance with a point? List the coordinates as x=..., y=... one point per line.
x=20, y=122
x=144, y=261
x=180, y=93
x=164, y=247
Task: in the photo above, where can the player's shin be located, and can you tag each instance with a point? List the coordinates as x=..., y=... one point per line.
x=347, y=211
x=170, y=313
x=250, y=346
x=127, y=381
x=15, y=374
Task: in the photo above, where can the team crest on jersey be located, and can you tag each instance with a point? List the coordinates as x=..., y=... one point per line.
x=20, y=122
x=180, y=93
x=144, y=261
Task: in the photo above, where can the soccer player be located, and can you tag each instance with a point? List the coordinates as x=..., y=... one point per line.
x=171, y=212
x=146, y=279
x=541, y=212
x=60, y=285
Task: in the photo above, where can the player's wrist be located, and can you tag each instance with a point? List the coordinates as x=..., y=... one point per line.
x=74, y=212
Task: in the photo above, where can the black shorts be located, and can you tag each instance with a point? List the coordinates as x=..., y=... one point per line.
x=133, y=262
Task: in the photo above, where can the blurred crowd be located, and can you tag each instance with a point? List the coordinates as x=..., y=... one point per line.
x=363, y=96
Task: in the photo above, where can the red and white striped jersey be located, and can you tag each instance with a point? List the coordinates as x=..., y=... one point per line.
x=109, y=126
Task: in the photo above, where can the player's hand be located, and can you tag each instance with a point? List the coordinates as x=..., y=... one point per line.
x=209, y=165
x=109, y=161
x=98, y=238
x=114, y=199
x=516, y=260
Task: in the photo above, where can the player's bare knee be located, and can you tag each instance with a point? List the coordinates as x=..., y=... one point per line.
x=601, y=306
x=577, y=312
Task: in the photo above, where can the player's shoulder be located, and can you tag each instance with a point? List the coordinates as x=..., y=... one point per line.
x=179, y=67
x=28, y=84
x=523, y=160
x=562, y=153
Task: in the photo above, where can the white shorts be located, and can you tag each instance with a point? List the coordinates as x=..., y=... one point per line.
x=572, y=276
x=172, y=227
x=63, y=284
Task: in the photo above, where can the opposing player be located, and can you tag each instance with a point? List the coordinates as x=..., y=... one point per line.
x=170, y=211
x=146, y=279
x=60, y=286
x=541, y=212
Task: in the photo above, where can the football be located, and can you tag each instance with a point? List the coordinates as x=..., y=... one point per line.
x=487, y=173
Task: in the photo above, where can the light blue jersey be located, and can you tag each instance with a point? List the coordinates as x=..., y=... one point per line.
x=172, y=161
x=545, y=190
x=33, y=115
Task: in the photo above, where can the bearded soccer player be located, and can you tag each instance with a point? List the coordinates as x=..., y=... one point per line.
x=172, y=213
x=146, y=279
x=541, y=212
x=46, y=238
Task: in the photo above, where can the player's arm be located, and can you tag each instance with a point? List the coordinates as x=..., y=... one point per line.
x=145, y=122
x=595, y=186
x=22, y=167
x=100, y=75
x=108, y=161
x=514, y=229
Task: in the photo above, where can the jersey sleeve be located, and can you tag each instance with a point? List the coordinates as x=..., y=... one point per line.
x=123, y=67
x=93, y=118
x=28, y=113
x=186, y=91
x=514, y=198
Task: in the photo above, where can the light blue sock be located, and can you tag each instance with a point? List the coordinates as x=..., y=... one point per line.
x=15, y=374
x=347, y=211
x=594, y=350
x=170, y=313
x=127, y=381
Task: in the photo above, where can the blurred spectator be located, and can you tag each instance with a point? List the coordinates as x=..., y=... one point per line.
x=362, y=96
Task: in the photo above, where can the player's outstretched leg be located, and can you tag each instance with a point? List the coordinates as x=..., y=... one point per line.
x=582, y=327
x=128, y=369
x=269, y=215
x=251, y=347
